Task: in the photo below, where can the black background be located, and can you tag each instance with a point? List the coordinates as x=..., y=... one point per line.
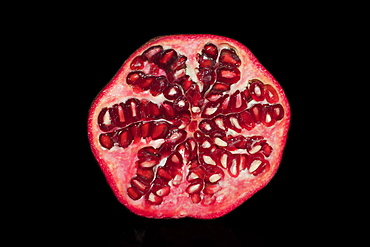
x=72, y=55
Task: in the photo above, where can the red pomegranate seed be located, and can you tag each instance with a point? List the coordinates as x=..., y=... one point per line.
x=154, y=199
x=135, y=77
x=195, y=187
x=211, y=189
x=152, y=53
x=257, y=90
x=125, y=138
x=140, y=184
x=133, y=193
x=106, y=141
x=146, y=173
x=160, y=130
x=228, y=57
x=270, y=94
x=228, y=75
x=210, y=50
x=137, y=63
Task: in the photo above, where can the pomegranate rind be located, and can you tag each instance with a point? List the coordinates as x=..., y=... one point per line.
x=119, y=165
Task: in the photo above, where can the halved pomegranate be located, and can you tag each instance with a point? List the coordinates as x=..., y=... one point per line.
x=190, y=126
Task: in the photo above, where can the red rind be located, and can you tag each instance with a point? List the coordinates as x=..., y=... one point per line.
x=120, y=169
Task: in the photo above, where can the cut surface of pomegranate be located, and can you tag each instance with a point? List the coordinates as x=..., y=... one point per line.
x=190, y=126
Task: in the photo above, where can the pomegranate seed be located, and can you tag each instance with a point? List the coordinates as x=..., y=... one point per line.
x=176, y=136
x=179, y=64
x=270, y=94
x=132, y=108
x=256, y=89
x=133, y=193
x=148, y=163
x=119, y=118
x=168, y=110
x=228, y=57
x=228, y=75
x=266, y=149
x=237, y=102
x=233, y=165
x=237, y=142
x=146, y=173
x=246, y=120
x=137, y=63
x=207, y=75
x=163, y=191
x=146, y=129
x=257, y=164
x=211, y=189
x=177, y=180
x=195, y=198
x=243, y=161
x=231, y=121
x=125, y=138
x=105, y=119
x=277, y=112
x=167, y=58
x=195, y=187
x=161, y=172
x=214, y=173
x=196, y=173
x=154, y=199
x=158, y=86
x=256, y=112
x=175, y=159
x=172, y=92
x=210, y=50
x=140, y=184
x=194, y=96
x=134, y=78
x=160, y=130
x=150, y=111
x=146, y=82
x=106, y=141
x=135, y=130
x=152, y=53
x=205, y=62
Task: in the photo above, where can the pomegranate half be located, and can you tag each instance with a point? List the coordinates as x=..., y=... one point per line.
x=190, y=126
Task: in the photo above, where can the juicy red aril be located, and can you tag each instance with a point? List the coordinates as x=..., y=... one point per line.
x=106, y=141
x=160, y=130
x=137, y=63
x=167, y=58
x=256, y=89
x=210, y=50
x=277, y=111
x=172, y=92
x=230, y=58
x=125, y=138
x=270, y=94
x=148, y=152
x=152, y=53
x=228, y=75
x=146, y=173
x=135, y=77
x=159, y=85
x=207, y=75
x=189, y=125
